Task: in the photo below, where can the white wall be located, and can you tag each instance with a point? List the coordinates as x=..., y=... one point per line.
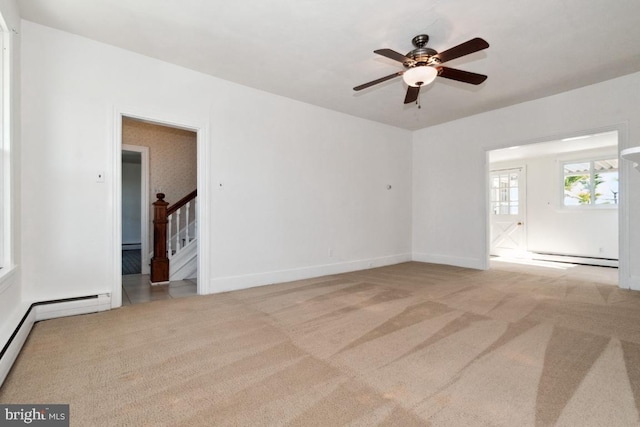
x=553, y=228
x=449, y=168
x=297, y=179
x=131, y=193
x=11, y=306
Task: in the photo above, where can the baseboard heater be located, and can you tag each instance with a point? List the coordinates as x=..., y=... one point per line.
x=44, y=310
x=575, y=259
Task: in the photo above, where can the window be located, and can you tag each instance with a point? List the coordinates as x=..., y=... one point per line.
x=504, y=193
x=591, y=183
x=5, y=148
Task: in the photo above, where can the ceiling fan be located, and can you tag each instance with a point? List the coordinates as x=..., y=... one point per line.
x=424, y=64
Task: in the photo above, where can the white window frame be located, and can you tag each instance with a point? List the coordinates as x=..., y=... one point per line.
x=6, y=259
x=591, y=161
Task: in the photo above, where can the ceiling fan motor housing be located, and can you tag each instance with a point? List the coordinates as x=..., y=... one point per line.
x=418, y=58
x=421, y=55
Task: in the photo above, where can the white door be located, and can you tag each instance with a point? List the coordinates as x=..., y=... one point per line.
x=507, y=204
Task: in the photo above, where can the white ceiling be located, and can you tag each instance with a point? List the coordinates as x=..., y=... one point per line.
x=316, y=51
x=552, y=148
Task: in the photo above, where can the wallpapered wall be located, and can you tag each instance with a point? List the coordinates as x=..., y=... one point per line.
x=172, y=160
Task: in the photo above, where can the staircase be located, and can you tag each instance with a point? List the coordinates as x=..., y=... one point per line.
x=175, y=243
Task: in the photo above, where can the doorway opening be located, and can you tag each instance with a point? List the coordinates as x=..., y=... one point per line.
x=135, y=182
x=156, y=158
x=556, y=201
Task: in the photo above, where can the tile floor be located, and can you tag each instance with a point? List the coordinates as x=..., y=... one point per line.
x=136, y=289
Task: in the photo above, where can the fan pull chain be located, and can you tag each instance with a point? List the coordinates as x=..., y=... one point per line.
x=418, y=102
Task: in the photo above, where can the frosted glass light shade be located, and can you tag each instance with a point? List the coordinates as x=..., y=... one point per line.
x=419, y=76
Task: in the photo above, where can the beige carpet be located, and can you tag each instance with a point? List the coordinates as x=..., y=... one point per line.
x=411, y=344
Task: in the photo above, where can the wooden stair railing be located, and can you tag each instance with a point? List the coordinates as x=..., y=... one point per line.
x=163, y=236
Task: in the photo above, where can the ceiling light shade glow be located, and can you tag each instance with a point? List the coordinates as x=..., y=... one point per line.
x=419, y=76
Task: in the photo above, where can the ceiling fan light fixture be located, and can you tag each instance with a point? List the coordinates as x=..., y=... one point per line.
x=420, y=75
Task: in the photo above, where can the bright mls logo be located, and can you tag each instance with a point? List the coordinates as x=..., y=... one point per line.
x=36, y=415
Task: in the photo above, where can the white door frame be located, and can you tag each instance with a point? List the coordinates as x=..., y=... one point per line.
x=144, y=202
x=201, y=128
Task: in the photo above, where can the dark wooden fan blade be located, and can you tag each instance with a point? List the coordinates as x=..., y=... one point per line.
x=466, y=48
x=412, y=94
x=392, y=54
x=380, y=80
x=461, y=76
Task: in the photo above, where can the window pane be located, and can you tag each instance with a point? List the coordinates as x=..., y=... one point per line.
x=513, y=209
x=577, y=190
x=504, y=194
x=606, y=188
x=513, y=194
x=571, y=201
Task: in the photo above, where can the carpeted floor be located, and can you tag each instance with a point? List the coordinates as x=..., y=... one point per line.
x=411, y=344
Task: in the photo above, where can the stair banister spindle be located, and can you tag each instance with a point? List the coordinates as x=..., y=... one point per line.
x=186, y=222
x=169, y=236
x=195, y=218
x=178, y=230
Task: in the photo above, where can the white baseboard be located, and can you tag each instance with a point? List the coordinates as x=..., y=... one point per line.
x=602, y=262
x=72, y=308
x=475, y=263
x=43, y=311
x=233, y=283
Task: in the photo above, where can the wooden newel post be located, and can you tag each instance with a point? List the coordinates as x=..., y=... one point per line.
x=160, y=262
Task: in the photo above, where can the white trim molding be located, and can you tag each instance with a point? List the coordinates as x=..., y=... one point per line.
x=176, y=120
x=633, y=282
x=6, y=274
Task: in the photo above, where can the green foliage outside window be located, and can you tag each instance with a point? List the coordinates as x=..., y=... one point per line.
x=583, y=186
